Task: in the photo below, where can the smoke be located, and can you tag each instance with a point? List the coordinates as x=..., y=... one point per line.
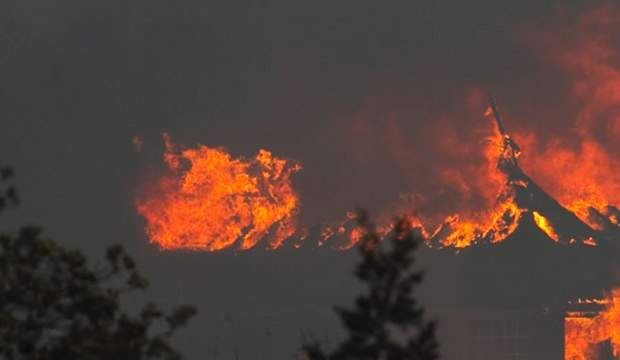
x=421, y=145
x=577, y=160
x=440, y=158
x=566, y=121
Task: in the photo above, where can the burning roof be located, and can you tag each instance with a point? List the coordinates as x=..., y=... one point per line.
x=211, y=201
x=527, y=252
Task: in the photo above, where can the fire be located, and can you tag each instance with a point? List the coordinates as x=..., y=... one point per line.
x=494, y=226
x=581, y=301
x=544, y=225
x=348, y=231
x=581, y=172
x=500, y=221
x=577, y=168
x=583, y=333
x=210, y=200
x=591, y=184
x=355, y=237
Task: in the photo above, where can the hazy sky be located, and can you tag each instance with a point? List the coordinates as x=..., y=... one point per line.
x=321, y=82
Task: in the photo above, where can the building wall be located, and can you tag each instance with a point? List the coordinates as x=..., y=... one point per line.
x=474, y=334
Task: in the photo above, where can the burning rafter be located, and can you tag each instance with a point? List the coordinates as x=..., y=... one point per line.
x=520, y=198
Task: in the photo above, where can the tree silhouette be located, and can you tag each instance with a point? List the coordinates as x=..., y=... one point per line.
x=8, y=195
x=53, y=305
x=387, y=322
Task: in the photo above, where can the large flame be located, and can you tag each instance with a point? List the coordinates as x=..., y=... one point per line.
x=577, y=162
x=498, y=222
x=582, y=333
x=580, y=169
x=211, y=201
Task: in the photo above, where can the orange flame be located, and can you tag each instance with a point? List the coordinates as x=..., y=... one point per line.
x=591, y=184
x=210, y=201
x=544, y=225
x=581, y=174
x=500, y=221
x=583, y=333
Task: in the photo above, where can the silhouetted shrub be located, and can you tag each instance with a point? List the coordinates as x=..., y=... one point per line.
x=53, y=305
x=387, y=321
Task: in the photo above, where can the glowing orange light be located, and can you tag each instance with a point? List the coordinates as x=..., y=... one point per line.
x=210, y=201
x=583, y=333
x=544, y=225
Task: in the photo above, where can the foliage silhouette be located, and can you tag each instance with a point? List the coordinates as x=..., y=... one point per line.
x=53, y=305
x=8, y=195
x=387, y=322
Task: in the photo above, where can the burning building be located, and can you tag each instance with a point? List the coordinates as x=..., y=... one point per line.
x=527, y=311
x=496, y=311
